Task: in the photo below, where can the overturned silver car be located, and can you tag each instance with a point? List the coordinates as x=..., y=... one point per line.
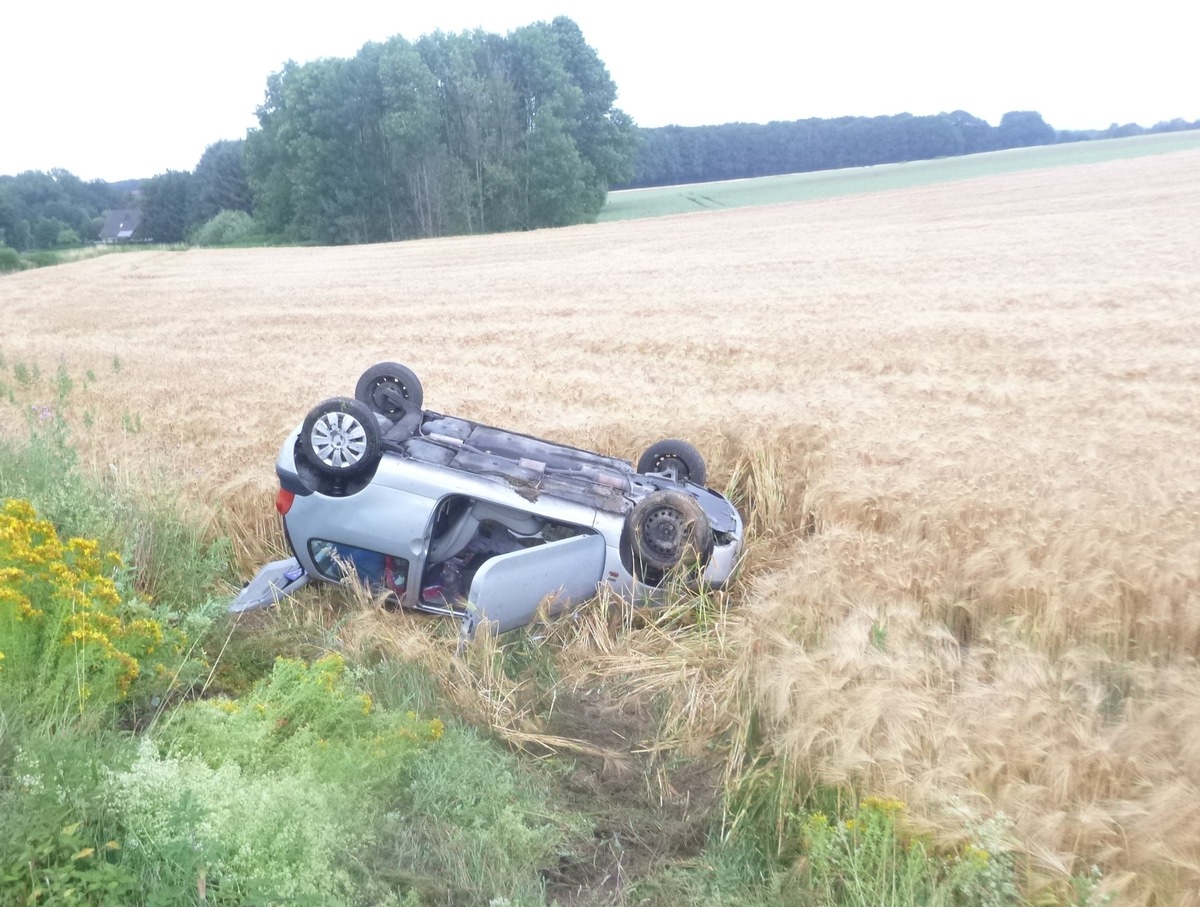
x=452, y=517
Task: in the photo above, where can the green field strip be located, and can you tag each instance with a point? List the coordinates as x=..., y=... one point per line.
x=632, y=204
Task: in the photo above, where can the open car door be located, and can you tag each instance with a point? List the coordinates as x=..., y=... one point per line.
x=273, y=582
x=508, y=589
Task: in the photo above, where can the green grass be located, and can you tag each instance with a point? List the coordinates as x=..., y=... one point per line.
x=631, y=204
x=12, y=261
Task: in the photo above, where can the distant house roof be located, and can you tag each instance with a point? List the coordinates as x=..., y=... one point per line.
x=121, y=225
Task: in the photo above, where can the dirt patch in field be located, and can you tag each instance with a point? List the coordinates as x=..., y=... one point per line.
x=646, y=814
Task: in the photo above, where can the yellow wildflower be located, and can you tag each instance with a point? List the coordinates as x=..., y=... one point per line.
x=883, y=805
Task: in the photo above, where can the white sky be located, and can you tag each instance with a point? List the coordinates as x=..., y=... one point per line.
x=131, y=89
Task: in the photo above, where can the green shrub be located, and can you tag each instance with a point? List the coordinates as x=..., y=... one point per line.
x=305, y=717
x=57, y=843
x=473, y=827
x=9, y=260
x=60, y=865
x=865, y=859
x=282, y=836
x=42, y=258
x=870, y=859
x=271, y=795
x=226, y=228
x=861, y=860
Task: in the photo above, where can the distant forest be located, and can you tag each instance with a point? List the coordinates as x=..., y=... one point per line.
x=466, y=133
x=672, y=155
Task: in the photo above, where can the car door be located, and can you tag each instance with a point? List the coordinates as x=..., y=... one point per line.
x=508, y=589
x=274, y=582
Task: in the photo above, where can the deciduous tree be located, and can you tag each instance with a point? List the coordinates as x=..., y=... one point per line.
x=457, y=133
x=219, y=182
x=166, y=201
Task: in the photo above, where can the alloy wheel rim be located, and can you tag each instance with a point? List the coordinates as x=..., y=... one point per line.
x=339, y=440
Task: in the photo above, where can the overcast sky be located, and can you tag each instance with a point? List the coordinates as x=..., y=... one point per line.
x=120, y=90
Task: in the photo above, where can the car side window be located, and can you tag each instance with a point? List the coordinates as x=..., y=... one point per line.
x=380, y=571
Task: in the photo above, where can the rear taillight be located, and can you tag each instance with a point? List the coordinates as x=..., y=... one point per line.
x=283, y=501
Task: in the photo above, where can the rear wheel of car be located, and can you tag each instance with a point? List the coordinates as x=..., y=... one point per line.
x=669, y=530
x=341, y=437
x=676, y=459
x=386, y=388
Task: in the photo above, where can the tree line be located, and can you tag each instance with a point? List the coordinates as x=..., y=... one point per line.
x=454, y=133
x=468, y=133
x=56, y=209
x=47, y=210
x=673, y=155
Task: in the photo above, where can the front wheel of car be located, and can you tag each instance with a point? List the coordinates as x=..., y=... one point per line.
x=675, y=459
x=341, y=438
x=669, y=530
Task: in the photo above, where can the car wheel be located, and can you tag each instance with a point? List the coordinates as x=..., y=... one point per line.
x=676, y=459
x=341, y=437
x=386, y=386
x=669, y=529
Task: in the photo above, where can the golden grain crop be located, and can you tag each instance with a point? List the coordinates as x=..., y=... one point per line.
x=966, y=418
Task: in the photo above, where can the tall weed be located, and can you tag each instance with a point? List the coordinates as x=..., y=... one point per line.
x=271, y=795
x=473, y=827
x=58, y=842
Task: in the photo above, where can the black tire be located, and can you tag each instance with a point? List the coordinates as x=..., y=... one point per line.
x=669, y=530
x=386, y=386
x=341, y=438
x=677, y=459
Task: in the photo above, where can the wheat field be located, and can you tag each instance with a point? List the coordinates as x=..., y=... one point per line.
x=961, y=421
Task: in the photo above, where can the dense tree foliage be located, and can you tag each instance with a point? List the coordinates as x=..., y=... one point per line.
x=1023, y=128
x=456, y=133
x=219, y=183
x=166, y=200
x=673, y=154
x=51, y=210
x=45, y=210
x=177, y=203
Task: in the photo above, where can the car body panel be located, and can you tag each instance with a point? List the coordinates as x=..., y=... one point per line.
x=509, y=589
x=389, y=520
